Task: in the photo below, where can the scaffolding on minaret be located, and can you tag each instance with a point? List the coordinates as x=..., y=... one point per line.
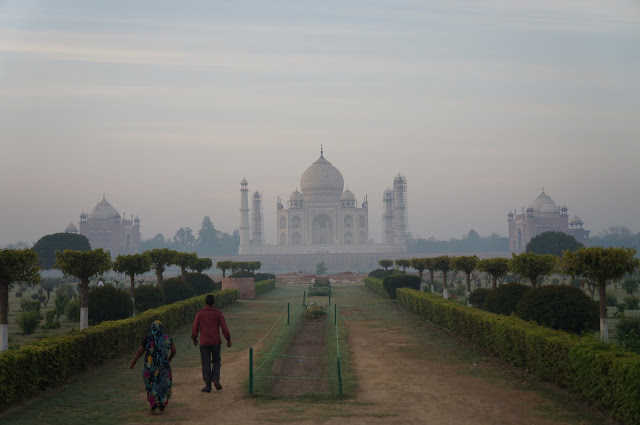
x=257, y=220
x=387, y=217
x=400, y=216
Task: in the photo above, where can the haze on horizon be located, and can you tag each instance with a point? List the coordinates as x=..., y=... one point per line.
x=165, y=107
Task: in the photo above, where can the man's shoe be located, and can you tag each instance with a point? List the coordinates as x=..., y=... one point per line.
x=206, y=390
x=217, y=385
x=161, y=407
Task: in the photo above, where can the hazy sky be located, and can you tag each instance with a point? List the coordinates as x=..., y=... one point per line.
x=165, y=106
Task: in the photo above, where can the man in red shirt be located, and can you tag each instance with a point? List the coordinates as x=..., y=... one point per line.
x=208, y=323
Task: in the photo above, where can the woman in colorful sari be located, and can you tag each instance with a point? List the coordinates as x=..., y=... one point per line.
x=158, y=349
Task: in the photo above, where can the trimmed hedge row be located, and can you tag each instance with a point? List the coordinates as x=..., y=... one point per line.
x=376, y=286
x=264, y=286
x=53, y=361
x=605, y=376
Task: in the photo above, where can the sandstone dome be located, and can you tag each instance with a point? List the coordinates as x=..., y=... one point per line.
x=322, y=178
x=103, y=211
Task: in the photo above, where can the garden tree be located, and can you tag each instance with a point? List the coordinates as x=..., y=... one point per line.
x=185, y=260
x=443, y=263
x=419, y=265
x=207, y=243
x=466, y=264
x=254, y=265
x=321, y=268
x=630, y=285
x=601, y=264
x=385, y=264
x=430, y=264
x=15, y=266
x=47, y=246
x=132, y=265
x=202, y=264
x=554, y=243
x=403, y=264
x=534, y=266
x=84, y=265
x=160, y=259
x=496, y=267
x=183, y=240
x=156, y=242
x=224, y=266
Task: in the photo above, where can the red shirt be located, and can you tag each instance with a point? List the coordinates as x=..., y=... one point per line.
x=208, y=322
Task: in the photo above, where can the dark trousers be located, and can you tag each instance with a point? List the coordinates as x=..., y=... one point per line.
x=210, y=358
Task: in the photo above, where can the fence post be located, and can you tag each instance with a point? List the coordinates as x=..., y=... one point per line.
x=250, y=371
x=304, y=298
x=335, y=314
x=288, y=313
x=329, y=296
x=339, y=377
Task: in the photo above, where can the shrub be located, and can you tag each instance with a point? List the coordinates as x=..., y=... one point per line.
x=628, y=333
x=620, y=307
x=27, y=305
x=18, y=294
x=375, y=285
x=73, y=311
x=53, y=321
x=322, y=282
x=477, y=297
x=319, y=291
x=42, y=298
x=631, y=303
x=29, y=320
x=61, y=302
x=630, y=286
x=175, y=289
x=504, y=299
x=201, y=283
x=393, y=282
x=611, y=300
x=315, y=310
x=109, y=303
x=34, y=296
x=67, y=290
x=242, y=273
x=560, y=307
x=259, y=277
x=147, y=297
x=380, y=273
x=264, y=286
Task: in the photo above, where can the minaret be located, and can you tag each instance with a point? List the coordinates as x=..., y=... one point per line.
x=400, y=221
x=257, y=221
x=244, y=215
x=387, y=217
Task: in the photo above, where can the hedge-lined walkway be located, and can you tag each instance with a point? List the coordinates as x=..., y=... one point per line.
x=407, y=371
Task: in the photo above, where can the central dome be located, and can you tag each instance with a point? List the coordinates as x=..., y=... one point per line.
x=321, y=176
x=103, y=211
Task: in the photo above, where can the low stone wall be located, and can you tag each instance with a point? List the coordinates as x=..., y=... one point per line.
x=306, y=279
x=244, y=285
x=346, y=277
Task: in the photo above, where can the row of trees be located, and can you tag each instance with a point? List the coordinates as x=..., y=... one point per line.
x=596, y=265
x=471, y=242
x=243, y=266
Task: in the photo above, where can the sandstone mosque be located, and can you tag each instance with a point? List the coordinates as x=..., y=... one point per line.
x=323, y=222
x=543, y=215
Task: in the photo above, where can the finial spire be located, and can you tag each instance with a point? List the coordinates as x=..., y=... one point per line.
x=321, y=151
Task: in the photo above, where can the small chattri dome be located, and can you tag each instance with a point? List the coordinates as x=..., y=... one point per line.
x=296, y=196
x=576, y=220
x=244, y=182
x=348, y=196
x=71, y=228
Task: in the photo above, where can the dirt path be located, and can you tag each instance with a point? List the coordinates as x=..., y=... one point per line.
x=400, y=381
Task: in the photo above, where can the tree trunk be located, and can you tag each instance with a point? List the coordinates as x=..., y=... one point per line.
x=494, y=280
x=159, y=278
x=133, y=284
x=421, y=283
x=445, y=292
x=604, y=326
x=468, y=283
x=534, y=282
x=84, y=304
x=183, y=273
x=4, y=316
x=223, y=273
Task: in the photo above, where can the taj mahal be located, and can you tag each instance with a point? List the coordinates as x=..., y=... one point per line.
x=323, y=218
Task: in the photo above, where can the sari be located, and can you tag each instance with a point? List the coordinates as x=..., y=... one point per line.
x=157, y=369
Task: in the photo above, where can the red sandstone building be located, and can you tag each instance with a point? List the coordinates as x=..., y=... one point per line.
x=543, y=215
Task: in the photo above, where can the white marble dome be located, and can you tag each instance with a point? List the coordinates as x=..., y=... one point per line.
x=544, y=205
x=348, y=196
x=103, y=211
x=321, y=176
x=576, y=220
x=296, y=196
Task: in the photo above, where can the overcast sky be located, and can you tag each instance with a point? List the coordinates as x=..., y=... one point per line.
x=165, y=106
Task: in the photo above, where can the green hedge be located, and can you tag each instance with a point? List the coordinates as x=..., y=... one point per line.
x=264, y=286
x=375, y=285
x=394, y=282
x=51, y=362
x=605, y=376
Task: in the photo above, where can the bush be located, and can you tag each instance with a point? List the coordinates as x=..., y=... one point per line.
x=201, y=283
x=53, y=321
x=393, y=282
x=560, y=307
x=73, y=311
x=259, y=277
x=27, y=305
x=264, y=286
x=109, y=303
x=147, y=297
x=319, y=291
x=628, y=333
x=175, y=289
x=504, y=299
x=620, y=307
x=631, y=303
x=29, y=320
x=630, y=286
x=34, y=296
x=375, y=285
x=61, y=302
x=477, y=297
x=242, y=273
x=18, y=294
x=315, y=310
x=611, y=300
x=380, y=273
x=67, y=290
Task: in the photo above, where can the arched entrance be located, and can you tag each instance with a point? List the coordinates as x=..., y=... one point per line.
x=322, y=229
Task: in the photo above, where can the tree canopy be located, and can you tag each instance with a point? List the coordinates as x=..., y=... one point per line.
x=403, y=264
x=534, y=266
x=47, y=246
x=132, y=265
x=466, y=264
x=496, y=267
x=160, y=259
x=554, y=243
x=202, y=264
x=385, y=264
